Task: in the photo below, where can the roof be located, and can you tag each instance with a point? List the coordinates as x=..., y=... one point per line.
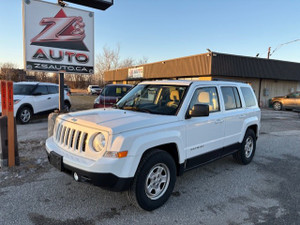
x=213, y=64
x=169, y=82
x=253, y=67
x=35, y=83
x=189, y=82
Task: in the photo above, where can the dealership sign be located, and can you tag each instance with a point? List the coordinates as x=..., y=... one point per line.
x=137, y=72
x=58, y=39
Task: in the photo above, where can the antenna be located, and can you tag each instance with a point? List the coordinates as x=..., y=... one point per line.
x=104, y=96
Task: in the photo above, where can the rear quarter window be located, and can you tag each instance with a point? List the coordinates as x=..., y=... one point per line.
x=53, y=89
x=248, y=96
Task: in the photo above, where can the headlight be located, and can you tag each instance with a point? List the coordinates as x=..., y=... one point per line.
x=99, y=142
x=97, y=100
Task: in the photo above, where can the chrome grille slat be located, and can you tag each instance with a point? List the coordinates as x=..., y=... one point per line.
x=67, y=136
x=63, y=133
x=78, y=140
x=60, y=134
x=84, y=139
x=71, y=139
x=57, y=131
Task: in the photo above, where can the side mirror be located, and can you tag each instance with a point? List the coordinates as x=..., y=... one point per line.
x=199, y=110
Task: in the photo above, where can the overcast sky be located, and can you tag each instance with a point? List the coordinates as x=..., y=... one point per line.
x=166, y=29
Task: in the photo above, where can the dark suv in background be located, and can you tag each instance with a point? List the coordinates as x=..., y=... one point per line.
x=111, y=94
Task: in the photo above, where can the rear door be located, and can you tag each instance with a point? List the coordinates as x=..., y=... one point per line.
x=234, y=114
x=54, y=96
x=41, y=99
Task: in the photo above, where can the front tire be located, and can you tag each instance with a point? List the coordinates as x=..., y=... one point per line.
x=24, y=115
x=277, y=106
x=67, y=106
x=246, y=153
x=154, y=180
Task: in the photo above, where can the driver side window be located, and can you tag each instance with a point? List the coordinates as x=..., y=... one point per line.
x=208, y=96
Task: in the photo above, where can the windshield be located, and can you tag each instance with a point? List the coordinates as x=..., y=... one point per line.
x=157, y=99
x=23, y=89
x=115, y=91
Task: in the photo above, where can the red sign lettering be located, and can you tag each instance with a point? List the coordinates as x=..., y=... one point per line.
x=3, y=96
x=10, y=96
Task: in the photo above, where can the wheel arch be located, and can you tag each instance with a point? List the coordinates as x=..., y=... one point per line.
x=251, y=123
x=170, y=148
x=25, y=105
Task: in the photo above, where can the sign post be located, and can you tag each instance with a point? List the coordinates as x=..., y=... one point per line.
x=3, y=98
x=10, y=123
x=7, y=104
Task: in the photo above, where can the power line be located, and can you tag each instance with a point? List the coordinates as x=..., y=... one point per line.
x=279, y=46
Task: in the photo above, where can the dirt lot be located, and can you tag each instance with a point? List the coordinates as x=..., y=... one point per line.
x=82, y=102
x=267, y=191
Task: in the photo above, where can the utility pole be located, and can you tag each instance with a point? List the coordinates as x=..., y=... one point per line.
x=269, y=52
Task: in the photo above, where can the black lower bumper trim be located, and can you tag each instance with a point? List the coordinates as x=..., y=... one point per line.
x=104, y=180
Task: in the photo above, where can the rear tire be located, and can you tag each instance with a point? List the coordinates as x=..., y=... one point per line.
x=24, y=115
x=154, y=180
x=246, y=153
x=277, y=106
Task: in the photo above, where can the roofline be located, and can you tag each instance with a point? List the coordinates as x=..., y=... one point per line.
x=243, y=56
x=162, y=61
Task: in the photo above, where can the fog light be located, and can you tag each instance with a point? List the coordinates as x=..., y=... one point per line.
x=76, y=177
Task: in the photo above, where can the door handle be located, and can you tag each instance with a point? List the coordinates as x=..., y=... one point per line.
x=219, y=121
x=49, y=98
x=242, y=116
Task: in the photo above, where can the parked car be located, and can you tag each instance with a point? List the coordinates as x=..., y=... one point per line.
x=67, y=89
x=94, y=89
x=35, y=97
x=290, y=101
x=157, y=131
x=111, y=94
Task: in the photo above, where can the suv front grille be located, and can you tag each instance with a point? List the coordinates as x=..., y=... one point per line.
x=71, y=139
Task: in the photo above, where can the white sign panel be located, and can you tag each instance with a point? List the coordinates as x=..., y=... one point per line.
x=136, y=72
x=58, y=39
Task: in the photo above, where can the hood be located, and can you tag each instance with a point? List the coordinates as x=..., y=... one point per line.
x=279, y=97
x=117, y=121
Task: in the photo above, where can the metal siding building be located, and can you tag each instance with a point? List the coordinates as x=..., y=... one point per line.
x=268, y=77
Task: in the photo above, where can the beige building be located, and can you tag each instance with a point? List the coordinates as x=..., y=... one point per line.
x=268, y=77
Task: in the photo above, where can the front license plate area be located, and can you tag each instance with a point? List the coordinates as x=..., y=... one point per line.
x=56, y=160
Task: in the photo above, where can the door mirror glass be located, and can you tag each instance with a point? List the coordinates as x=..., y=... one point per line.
x=199, y=110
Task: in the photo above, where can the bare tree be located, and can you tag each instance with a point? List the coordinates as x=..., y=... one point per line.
x=9, y=71
x=142, y=61
x=109, y=59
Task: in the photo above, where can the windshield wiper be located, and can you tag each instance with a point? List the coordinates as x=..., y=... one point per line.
x=136, y=109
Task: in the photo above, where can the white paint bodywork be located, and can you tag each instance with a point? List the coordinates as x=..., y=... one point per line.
x=136, y=132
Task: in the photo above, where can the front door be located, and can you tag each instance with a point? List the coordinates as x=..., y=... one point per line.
x=205, y=134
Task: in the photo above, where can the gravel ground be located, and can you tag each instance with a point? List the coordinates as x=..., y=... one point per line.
x=267, y=191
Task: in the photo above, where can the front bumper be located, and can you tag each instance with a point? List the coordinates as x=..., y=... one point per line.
x=85, y=168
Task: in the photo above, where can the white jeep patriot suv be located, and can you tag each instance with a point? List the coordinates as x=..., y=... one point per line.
x=156, y=132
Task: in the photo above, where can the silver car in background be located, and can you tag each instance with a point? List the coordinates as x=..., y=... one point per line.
x=290, y=101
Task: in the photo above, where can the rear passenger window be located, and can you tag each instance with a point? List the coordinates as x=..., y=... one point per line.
x=206, y=95
x=231, y=98
x=41, y=89
x=248, y=96
x=53, y=89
